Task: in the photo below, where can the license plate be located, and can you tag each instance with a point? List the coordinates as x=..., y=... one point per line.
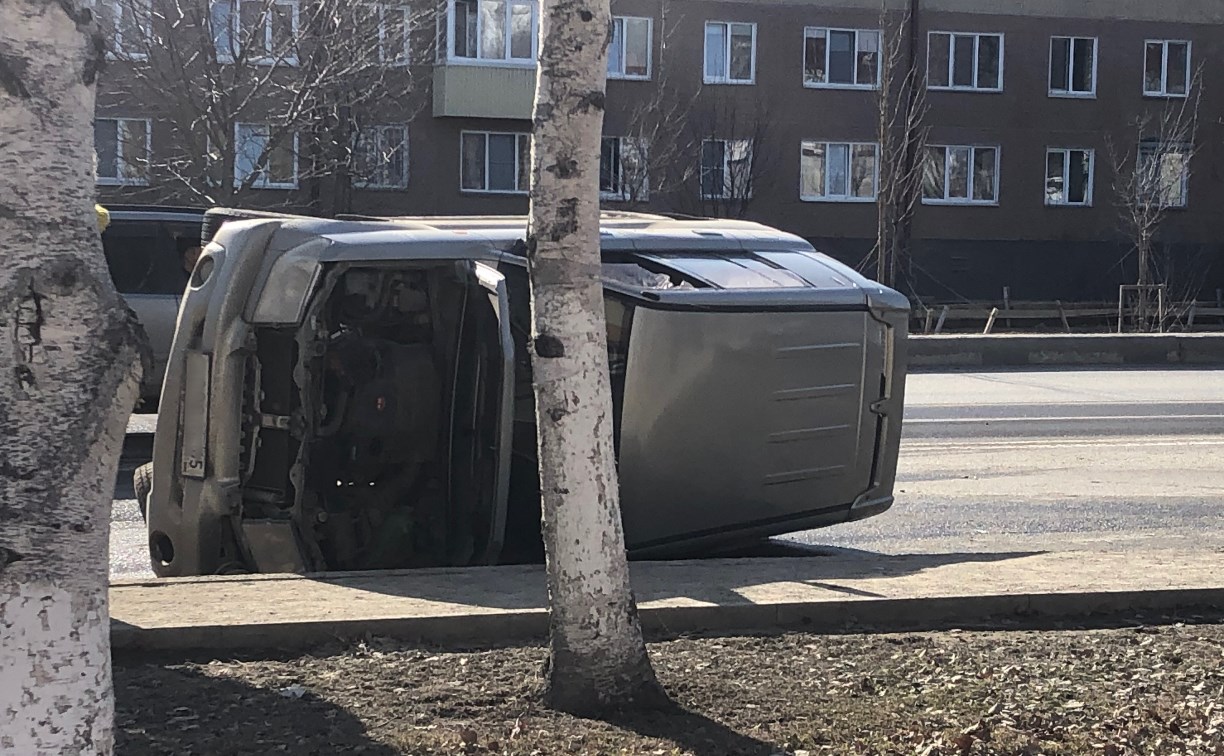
x=194, y=416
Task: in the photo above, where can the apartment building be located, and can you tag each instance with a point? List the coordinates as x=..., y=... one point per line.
x=1037, y=121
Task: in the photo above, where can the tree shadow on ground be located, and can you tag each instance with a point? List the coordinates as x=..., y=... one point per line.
x=692, y=732
x=180, y=710
x=713, y=580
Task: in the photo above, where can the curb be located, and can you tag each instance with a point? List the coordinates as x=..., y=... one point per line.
x=505, y=627
x=1085, y=350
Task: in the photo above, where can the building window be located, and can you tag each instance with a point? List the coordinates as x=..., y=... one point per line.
x=623, y=169
x=1073, y=66
x=268, y=157
x=1069, y=177
x=122, y=148
x=130, y=23
x=271, y=29
x=960, y=175
x=381, y=157
x=493, y=31
x=1166, y=68
x=491, y=162
x=965, y=61
x=726, y=169
x=629, y=50
x=1163, y=173
x=837, y=171
x=393, y=24
x=841, y=58
x=730, y=53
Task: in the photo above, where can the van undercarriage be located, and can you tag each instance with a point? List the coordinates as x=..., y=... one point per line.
x=380, y=447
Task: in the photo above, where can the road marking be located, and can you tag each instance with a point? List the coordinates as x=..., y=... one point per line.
x=1062, y=419
x=961, y=402
x=995, y=445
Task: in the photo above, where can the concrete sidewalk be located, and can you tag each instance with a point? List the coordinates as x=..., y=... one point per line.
x=506, y=604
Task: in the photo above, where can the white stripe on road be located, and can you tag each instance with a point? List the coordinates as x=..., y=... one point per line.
x=1067, y=443
x=1063, y=419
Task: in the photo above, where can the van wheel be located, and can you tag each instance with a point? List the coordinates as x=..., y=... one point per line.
x=142, y=483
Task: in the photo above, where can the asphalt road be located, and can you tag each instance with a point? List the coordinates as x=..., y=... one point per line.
x=1091, y=459
x=1008, y=461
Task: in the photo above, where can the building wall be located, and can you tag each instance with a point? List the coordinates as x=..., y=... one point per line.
x=961, y=252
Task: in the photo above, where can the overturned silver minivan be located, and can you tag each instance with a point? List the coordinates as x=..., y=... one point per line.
x=356, y=394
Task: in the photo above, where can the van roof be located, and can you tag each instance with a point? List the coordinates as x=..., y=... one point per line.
x=740, y=262
x=609, y=220
x=617, y=230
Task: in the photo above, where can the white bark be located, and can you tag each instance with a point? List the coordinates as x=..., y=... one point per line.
x=597, y=657
x=69, y=376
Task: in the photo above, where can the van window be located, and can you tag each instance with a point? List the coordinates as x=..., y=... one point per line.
x=727, y=271
x=146, y=257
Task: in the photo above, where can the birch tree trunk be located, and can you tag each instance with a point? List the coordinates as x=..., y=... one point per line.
x=69, y=375
x=597, y=659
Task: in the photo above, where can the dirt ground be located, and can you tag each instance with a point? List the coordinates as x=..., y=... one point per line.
x=1133, y=690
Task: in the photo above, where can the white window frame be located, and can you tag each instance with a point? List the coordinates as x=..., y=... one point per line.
x=263, y=182
x=223, y=55
x=725, y=77
x=504, y=62
x=1185, y=176
x=968, y=200
x=850, y=146
x=115, y=9
x=1068, y=92
x=1164, y=68
x=808, y=30
x=406, y=14
x=977, y=46
x=624, y=45
x=728, y=191
x=625, y=195
x=518, y=169
x=381, y=130
x=1066, y=176
x=121, y=125
x=237, y=33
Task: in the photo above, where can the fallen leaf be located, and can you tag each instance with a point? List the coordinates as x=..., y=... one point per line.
x=293, y=691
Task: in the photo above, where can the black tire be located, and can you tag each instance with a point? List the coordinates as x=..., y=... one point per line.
x=142, y=483
x=216, y=217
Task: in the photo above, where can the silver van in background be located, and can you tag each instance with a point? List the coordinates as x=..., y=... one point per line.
x=148, y=251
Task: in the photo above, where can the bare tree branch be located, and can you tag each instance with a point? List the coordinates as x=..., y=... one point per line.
x=654, y=145
x=1151, y=174
x=306, y=80
x=901, y=129
x=722, y=156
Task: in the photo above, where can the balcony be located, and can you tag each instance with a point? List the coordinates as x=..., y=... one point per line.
x=486, y=59
x=465, y=90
